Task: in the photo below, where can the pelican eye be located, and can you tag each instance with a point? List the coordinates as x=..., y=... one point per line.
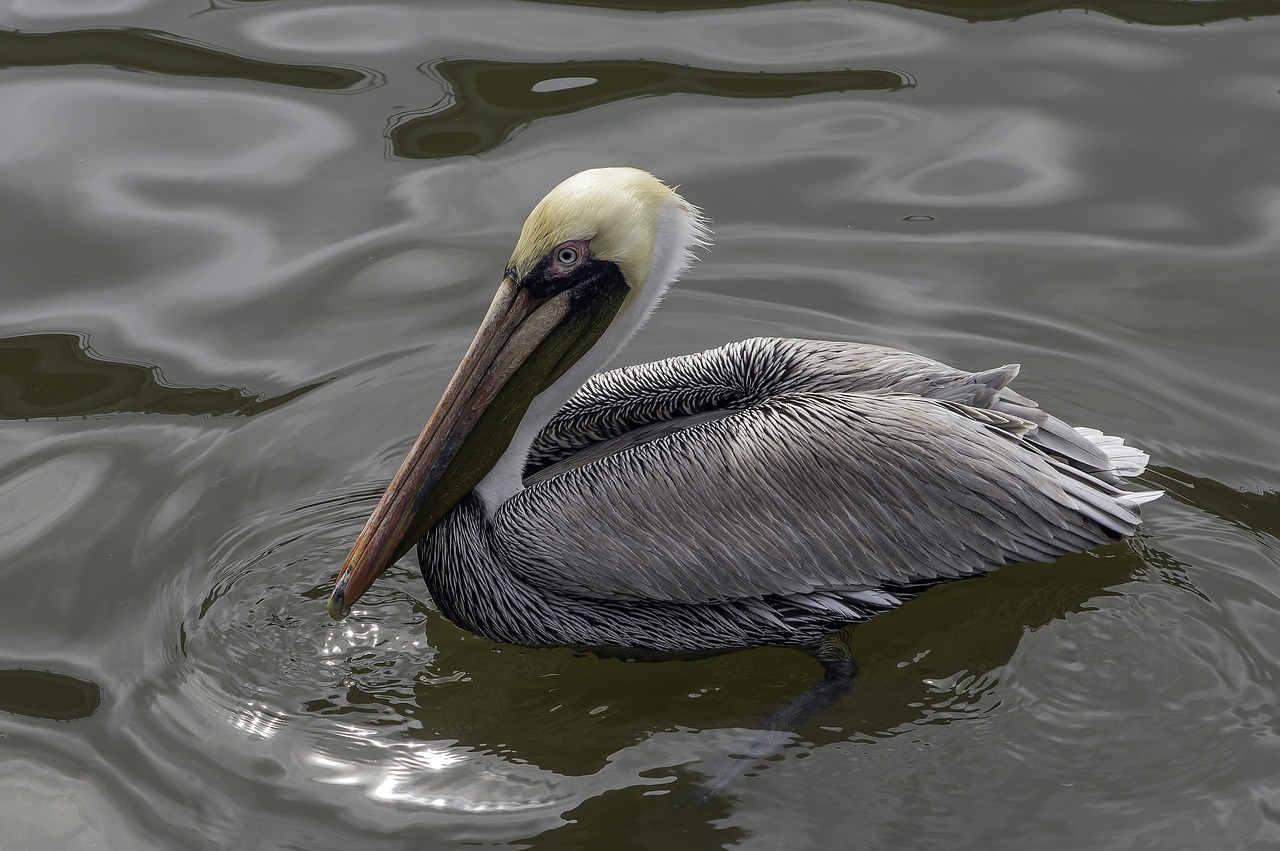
x=562, y=267
x=568, y=256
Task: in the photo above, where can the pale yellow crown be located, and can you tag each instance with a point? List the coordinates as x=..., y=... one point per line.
x=622, y=211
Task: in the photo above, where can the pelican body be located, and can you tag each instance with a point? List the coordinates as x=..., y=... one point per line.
x=767, y=492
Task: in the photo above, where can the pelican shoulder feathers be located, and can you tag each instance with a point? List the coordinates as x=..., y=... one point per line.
x=768, y=491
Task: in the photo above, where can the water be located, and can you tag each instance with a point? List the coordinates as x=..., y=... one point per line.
x=244, y=244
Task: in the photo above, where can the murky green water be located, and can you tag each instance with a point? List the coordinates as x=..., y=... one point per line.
x=242, y=246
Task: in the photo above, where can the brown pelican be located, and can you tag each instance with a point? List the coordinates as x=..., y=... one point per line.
x=767, y=492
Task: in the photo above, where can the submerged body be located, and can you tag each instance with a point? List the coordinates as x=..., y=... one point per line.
x=767, y=492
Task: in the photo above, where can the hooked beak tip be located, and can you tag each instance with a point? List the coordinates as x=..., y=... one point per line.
x=337, y=610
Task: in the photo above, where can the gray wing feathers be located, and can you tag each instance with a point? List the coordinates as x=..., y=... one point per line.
x=805, y=492
x=802, y=468
x=1053, y=435
x=622, y=408
x=655, y=398
x=1121, y=459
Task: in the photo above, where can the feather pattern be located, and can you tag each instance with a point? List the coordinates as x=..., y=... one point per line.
x=769, y=492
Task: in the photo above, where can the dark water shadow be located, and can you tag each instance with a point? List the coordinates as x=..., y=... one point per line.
x=933, y=663
x=1253, y=512
x=59, y=375
x=971, y=627
x=967, y=628
x=48, y=695
x=489, y=100
x=1153, y=12
x=160, y=53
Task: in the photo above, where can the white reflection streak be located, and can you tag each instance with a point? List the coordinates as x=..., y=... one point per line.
x=342, y=640
x=411, y=773
x=560, y=84
x=257, y=720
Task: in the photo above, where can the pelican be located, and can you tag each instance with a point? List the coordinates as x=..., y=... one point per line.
x=768, y=492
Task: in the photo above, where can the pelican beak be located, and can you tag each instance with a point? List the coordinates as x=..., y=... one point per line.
x=524, y=344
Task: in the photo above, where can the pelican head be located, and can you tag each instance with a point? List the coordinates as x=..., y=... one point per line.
x=594, y=257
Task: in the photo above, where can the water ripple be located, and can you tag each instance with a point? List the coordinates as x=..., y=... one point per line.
x=206, y=192
x=340, y=696
x=38, y=497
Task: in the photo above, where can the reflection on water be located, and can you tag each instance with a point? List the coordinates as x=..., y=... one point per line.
x=1257, y=513
x=49, y=695
x=927, y=664
x=279, y=252
x=489, y=100
x=157, y=53
x=1157, y=12
x=343, y=698
x=437, y=776
x=58, y=375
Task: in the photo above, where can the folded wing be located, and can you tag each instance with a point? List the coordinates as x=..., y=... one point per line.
x=789, y=467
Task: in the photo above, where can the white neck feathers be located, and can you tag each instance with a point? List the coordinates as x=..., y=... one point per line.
x=680, y=230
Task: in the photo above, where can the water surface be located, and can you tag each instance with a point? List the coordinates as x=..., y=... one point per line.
x=243, y=245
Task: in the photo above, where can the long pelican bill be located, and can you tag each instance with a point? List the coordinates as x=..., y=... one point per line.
x=524, y=344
